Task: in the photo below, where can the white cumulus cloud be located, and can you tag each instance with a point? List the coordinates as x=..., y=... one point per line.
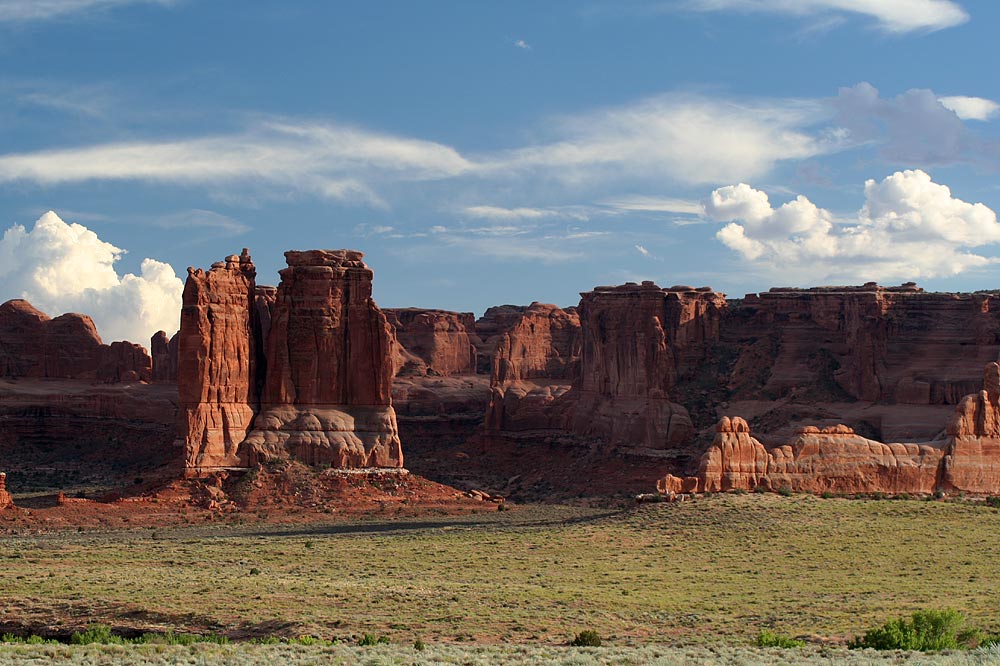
x=62, y=267
x=908, y=228
x=896, y=16
x=970, y=108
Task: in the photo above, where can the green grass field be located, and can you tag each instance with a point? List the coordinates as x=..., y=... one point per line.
x=708, y=573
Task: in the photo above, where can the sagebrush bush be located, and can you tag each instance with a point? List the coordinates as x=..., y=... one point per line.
x=587, y=638
x=768, y=638
x=925, y=631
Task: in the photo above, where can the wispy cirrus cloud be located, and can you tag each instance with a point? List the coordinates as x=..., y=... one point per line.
x=893, y=16
x=683, y=138
x=20, y=11
x=326, y=160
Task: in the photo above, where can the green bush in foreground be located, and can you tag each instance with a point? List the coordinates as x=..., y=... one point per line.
x=768, y=638
x=587, y=638
x=372, y=639
x=925, y=631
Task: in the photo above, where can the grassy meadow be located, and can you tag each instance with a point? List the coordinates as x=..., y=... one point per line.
x=702, y=575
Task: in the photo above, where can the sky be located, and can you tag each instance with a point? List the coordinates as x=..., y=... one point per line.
x=484, y=153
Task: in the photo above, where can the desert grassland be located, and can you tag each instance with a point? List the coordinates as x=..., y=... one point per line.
x=711, y=572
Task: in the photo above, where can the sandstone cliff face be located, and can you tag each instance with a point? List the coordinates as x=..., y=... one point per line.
x=433, y=342
x=869, y=343
x=544, y=341
x=327, y=391
x=215, y=368
x=835, y=459
x=67, y=347
x=637, y=341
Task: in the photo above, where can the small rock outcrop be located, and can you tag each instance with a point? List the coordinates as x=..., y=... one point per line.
x=67, y=347
x=5, y=499
x=972, y=463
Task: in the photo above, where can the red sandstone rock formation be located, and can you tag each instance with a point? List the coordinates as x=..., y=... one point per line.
x=327, y=392
x=5, y=499
x=637, y=341
x=433, y=342
x=67, y=347
x=972, y=463
x=215, y=368
x=835, y=459
x=832, y=459
x=164, y=353
x=544, y=341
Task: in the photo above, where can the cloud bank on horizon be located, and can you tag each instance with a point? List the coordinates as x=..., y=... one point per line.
x=60, y=267
x=908, y=228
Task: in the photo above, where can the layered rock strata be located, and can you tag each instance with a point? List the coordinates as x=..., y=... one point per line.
x=869, y=343
x=67, y=347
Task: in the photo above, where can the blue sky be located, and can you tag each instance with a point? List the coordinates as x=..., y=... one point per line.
x=486, y=153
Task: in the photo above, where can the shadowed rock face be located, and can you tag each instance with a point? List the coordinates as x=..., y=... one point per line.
x=303, y=371
x=433, y=342
x=623, y=353
x=164, y=353
x=67, y=347
x=327, y=393
x=886, y=344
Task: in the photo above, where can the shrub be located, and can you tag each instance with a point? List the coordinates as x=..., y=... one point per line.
x=993, y=501
x=785, y=491
x=96, y=633
x=33, y=639
x=768, y=638
x=371, y=639
x=587, y=638
x=418, y=645
x=925, y=631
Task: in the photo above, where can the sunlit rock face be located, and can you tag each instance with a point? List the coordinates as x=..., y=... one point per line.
x=303, y=371
x=328, y=387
